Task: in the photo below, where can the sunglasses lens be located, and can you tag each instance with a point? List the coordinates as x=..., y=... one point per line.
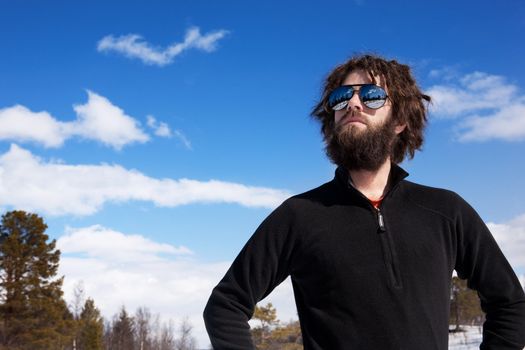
x=338, y=99
x=373, y=96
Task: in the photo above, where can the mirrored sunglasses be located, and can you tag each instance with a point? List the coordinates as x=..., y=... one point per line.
x=372, y=96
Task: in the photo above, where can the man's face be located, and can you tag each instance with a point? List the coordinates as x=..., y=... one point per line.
x=356, y=115
x=362, y=137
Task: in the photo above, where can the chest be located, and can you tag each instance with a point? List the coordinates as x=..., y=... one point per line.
x=346, y=246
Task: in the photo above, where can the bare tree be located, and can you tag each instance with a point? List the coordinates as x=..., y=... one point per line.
x=185, y=341
x=79, y=298
x=167, y=339
x=76, y=307
x=143, y=330
x=146, y=332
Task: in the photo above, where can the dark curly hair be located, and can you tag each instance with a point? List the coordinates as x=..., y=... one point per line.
x=407, y=100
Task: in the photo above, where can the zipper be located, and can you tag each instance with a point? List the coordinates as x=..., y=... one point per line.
x=389, y=255
x=380, y=220
x=388, y=251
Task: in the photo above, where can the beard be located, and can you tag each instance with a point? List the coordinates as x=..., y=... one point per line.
x=355, y=149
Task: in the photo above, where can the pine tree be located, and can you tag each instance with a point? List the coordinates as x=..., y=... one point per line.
x=91, y=327
x=267, y=316
x=122, y=337
x=270, y=334
x=465, y=305
x=33, y=313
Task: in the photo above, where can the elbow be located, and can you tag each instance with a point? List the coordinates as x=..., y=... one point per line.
x=207, y=314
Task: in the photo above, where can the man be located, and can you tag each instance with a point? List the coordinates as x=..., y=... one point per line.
x=370, y=254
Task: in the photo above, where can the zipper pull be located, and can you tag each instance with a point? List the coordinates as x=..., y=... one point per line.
x=380, y=220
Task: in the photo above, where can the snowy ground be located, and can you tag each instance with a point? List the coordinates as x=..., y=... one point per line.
x=468, y=340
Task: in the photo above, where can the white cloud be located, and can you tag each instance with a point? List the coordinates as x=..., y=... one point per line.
x=133, y=46
x=152, y=122
x=30, y=183
x=119, y=269
x=486, y=106
x=93, y=242
x=445, y=73
x=508, y=123
x=511, y=239
x=182, y=138
x=19, y=123
x=98, y=119
x=163, y=130
x=160, y=128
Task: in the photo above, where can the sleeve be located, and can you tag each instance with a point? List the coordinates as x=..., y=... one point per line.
x=262, y=264
x=480, y=261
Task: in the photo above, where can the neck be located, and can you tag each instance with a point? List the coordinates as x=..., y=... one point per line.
x=372, y=183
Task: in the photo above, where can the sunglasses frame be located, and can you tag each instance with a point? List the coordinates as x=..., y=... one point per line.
x=358, y=94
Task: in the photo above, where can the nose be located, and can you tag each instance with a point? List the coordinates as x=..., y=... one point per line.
x=354, y=102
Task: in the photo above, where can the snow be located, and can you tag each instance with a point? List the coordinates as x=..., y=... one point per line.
x=467, y=340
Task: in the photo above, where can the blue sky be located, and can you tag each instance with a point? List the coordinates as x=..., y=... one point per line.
x=153, y=137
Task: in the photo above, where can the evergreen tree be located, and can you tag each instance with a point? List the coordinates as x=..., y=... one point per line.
x=465, y=305
x=91, y=327
x=122, y=337
x=270, y=334
x=33, y=313
x=267, y=317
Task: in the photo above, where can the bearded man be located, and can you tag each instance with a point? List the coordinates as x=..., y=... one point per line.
x=370, y=254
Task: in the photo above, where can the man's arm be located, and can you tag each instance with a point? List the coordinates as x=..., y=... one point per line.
x=262, y=264
x=481, y=262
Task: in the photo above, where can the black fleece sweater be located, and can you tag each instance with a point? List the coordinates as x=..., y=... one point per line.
x=370, y=279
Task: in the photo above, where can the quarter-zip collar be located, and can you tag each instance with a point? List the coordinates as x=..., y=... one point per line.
x=397, y=174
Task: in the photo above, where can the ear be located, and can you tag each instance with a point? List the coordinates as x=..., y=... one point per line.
x=399, y=128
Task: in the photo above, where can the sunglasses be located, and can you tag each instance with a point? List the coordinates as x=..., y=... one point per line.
x=371, y=95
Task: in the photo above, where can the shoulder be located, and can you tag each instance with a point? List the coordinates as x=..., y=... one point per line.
x=324, y=195
x=442, y=201
x=292, y=215
x=428, y=193
x=298, y=208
